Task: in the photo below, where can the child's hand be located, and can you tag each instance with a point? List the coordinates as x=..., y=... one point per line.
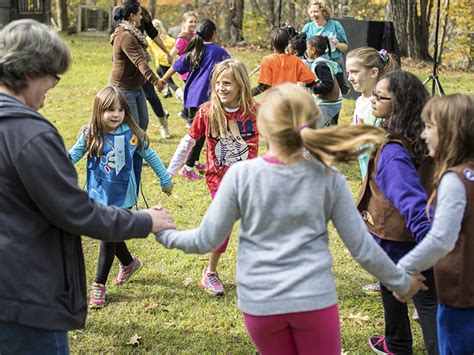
x=161, y=219
x=168, y=190
x=416, y=284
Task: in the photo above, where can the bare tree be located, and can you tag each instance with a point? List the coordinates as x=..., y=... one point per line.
x=411, y=19
x=63, y=21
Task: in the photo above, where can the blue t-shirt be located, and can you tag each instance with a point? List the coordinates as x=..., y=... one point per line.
x=332, y=27
x=197, y=87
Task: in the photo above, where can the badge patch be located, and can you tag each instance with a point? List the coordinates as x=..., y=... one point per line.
x=468, y=174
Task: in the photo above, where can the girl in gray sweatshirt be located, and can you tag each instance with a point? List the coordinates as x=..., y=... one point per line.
x=284, y=200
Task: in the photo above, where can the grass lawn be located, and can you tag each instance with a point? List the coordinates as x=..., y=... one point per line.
x=163, y=304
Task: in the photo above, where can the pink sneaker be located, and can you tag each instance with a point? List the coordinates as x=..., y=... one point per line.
x=211, y=283
x=372, y=289
x=200, y=167
x=378, y=345
x=97, y=298
x=125, y=272
x=189, y=174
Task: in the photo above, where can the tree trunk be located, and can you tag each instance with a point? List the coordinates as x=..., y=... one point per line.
x=152, y=8
x=292, y=8
x=63, y=22
x=443, y=33
x=270, y=16
x=410, y=18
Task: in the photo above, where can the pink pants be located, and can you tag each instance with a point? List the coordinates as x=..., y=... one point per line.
x=313, y=332
x=223, y=247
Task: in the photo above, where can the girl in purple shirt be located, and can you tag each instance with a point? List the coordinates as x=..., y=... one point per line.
x=399, y=98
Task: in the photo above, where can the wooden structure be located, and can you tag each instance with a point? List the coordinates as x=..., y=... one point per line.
x=39, y=10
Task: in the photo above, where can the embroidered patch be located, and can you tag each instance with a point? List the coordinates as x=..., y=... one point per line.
x=468, y=174
x=133, y=140
x=367, y=217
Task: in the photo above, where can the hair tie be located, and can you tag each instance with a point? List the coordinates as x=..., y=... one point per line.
x=384, y=55
x=303, y=126
x=199, y=34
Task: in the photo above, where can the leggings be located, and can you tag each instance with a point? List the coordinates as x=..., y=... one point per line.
x=312, y=332
x=108, y=250
x=162, y=70
x=397, y=323
x=153, y=99
x=196, y=152
x=223, y=247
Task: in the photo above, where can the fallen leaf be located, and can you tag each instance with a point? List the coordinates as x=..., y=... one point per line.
x=135, y=340
x=187, y=281
x=151, y=305
x=358, y=318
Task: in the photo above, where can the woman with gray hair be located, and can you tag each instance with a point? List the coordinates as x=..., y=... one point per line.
x=43, y=211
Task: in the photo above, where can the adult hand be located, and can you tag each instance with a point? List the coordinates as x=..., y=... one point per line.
x=161, y=219
x=416, y=284
x=160, y=85
x=168, y=190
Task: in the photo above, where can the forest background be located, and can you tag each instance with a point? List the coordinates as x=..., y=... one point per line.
x=248, y=22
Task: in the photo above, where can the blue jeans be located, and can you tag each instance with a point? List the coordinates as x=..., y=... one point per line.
x=455, y=330
x=20, y=339
x=137, y=101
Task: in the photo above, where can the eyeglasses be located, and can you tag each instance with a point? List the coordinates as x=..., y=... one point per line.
x=56, y=79
x=378, y=97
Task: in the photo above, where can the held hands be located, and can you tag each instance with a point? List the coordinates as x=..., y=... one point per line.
x=168, y=190
x=161, y=219
x=416, y=284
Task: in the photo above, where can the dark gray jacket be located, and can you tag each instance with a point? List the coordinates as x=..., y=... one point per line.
x=43, y=212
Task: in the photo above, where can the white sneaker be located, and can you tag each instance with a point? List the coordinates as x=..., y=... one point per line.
x=179, y=94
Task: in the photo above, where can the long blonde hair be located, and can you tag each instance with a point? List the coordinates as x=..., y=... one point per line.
x=217, y=117
x=95, y=132
x=287, y=117
x=454, y=117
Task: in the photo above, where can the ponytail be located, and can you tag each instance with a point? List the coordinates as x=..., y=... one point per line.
x=288, y=118
x=195, y=49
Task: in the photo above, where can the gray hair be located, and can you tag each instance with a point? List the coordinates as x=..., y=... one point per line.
x=30, y=49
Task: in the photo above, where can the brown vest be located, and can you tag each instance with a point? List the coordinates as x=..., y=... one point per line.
x=454, y=273
x=383, y=219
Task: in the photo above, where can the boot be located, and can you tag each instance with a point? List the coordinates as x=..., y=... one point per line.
x=164, y=126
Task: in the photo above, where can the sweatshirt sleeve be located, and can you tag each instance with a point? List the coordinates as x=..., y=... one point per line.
x=400, y=183
x=51, y=182
x=77, y=151
x=305, y=75
x=443, y=235
x=216, y=224
x=363, y=248
x=325, y=81
x=156, y=164
x=131, y=48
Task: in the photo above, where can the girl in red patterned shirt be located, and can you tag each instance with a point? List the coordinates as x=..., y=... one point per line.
x=229, y=125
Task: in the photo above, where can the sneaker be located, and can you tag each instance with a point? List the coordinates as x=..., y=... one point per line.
x=97, y=298
x=200, y=167
x=182, y=114
x=378, y=345
x=167, y=94
x=211, y=283
x=164, y=131
x=125, y=272
x=372, y=289
x=189, y=174
x=179, y=94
